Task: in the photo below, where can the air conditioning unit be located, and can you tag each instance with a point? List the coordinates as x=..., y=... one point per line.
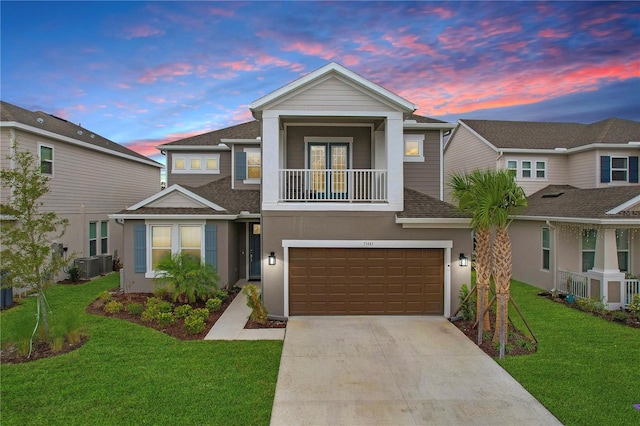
x=89, y=267
x=106, y=263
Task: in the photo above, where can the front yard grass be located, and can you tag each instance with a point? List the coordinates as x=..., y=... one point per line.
x=586, y=370
x=130, y=374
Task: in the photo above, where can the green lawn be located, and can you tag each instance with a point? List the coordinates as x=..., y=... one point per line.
x=129, y=374
x=586, y=370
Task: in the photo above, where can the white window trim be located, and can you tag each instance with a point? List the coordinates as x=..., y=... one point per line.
x=102, y=237
x=548, y=248
x=53, y=168
x=627, y=250
x=175, y=240
x=583, y=250
x=413, y=138
x=187, y=164
x=252, y=181
x=96, y=239
x=626, y=169
x=533, y=169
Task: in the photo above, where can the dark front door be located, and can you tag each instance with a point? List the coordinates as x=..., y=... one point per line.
x=254, y=251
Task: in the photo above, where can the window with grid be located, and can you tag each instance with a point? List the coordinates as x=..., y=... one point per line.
x=46, y=160
x=622, y=244
x=589, y=237
x=93, y=238
x=546, y=249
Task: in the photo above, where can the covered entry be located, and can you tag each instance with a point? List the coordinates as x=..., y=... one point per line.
x=366, y=281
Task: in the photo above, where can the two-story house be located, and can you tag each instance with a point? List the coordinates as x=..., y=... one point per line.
x=90, y=177
x=332, y=198
x=582, y=223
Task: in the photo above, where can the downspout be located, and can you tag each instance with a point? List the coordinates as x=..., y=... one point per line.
x=122, y=286
x=500, y=154
x=555, y=253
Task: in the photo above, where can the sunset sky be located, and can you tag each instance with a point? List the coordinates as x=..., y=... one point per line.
x=146, y=73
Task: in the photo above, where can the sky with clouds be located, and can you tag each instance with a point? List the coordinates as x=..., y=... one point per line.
x=146, y=73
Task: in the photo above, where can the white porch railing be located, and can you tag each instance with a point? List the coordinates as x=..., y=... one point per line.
x=333, y=185
x=574, y=283
x=631, y=287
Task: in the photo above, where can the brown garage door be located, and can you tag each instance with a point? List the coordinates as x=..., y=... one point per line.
x=354, y=281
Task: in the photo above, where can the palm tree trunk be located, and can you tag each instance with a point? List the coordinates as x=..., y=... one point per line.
x=483, y=275
x=502, y=276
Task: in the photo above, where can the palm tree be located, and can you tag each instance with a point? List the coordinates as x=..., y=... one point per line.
x=466, y=191
x=501, y=199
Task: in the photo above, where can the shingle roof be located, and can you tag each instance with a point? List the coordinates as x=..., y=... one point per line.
x=233, y=200
x=423, y=119
x=419, y=205
x=549, y=135
x=569, y=202
x=249, y=130
x=53, y=124
x=144, y=211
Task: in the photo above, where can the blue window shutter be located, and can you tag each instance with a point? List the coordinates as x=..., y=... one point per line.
x=633, y=169
x=241, y=165
x=605, y=169
x=140, y=248
x=211, y=245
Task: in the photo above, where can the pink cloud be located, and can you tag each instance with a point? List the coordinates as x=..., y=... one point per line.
x=148, y=146
x=141, y=31
x=222, y=12
x=165, y=72
x=242, y=65
x=494, y=27
x=311, y=49
x=441, y=12
x=458, y=38
x=411, y=43
x=513, y=47
x=553, y=33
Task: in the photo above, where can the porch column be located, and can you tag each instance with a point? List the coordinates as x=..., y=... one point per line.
x=395, y=157
x=270, y=158
x=605, y=270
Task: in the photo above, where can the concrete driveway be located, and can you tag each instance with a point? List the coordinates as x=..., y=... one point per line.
x=381, y=370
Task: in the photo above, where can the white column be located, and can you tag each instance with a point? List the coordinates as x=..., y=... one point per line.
x=395, y=156
x=606, y=269
x=270, y=158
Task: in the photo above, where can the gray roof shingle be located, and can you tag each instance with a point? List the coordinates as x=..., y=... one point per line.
x=249, y=130
x=53, y=124
x=419, y=205
x=550, y=135
x=569, y=202
x=234, y=201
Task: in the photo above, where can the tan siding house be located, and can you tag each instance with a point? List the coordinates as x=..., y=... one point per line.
x=90, y=176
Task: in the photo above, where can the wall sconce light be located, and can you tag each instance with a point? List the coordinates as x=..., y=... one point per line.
x=272, y=258
x=464, y=261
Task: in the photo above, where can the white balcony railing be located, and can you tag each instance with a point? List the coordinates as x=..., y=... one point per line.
x=573, y=283
x=631, y=287
x=333, y=185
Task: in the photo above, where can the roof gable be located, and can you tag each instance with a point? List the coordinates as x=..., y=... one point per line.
x=332, y=70
x=176, y=197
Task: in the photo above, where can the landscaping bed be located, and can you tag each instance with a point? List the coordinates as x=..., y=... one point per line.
x=595, y=308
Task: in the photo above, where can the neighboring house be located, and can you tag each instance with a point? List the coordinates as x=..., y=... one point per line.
x=90, y=178
x=331, y=198
x=582, y=224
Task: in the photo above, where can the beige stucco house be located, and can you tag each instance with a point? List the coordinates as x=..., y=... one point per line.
x=90, y=178
x=582, y=225
x=331, y=198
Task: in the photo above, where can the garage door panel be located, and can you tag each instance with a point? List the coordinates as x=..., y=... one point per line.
x=327, y=281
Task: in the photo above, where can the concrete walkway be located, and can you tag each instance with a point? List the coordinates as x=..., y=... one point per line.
x=394, y=371
x=230, y=326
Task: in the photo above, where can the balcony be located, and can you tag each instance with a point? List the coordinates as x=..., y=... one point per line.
x=333, y=185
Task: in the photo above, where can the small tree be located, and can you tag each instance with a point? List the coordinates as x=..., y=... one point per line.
x=27, y=255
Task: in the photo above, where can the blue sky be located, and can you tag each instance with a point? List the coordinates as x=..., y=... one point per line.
x=146, y=73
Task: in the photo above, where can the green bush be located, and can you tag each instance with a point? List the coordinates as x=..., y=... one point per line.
x=149, y=314
x=105, y=296
x=526, y=344
x=135, y=308
x=591, y=305
x=182, y=311
x=194, y=324
x=164, y=307
x=220, y=294
x=113, y=307
x=214, y=305
x=201, y=312
x=634, y=305
x=165, y=318
x=620, y=316
x=185, y=277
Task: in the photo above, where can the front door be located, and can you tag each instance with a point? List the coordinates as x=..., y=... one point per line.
x=329, y=162
x=254, y=251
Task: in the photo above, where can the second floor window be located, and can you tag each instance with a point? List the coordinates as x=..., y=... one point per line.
x=413, y=148
x=196, y=163
x=619, y=169
x=527, y=169
x=46, y=160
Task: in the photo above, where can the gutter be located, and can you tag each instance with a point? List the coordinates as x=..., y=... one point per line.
x=585, y=220
x=452, y=222
x=120, y=216
x=199, y=148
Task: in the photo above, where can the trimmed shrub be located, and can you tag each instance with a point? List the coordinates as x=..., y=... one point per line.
x=201, y=312
x=135, y=308
x=258, y=311
x=165, y=318
x=634, y=305
x=105, y=296
x=620, y=316
x=182, y=311
x=214, y=305
x=194, y=324
x=113, y=307
x=221, y=294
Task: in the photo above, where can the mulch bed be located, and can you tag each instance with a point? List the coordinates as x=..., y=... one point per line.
x=11, y=354
x=487, y=345
x=269, y=324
